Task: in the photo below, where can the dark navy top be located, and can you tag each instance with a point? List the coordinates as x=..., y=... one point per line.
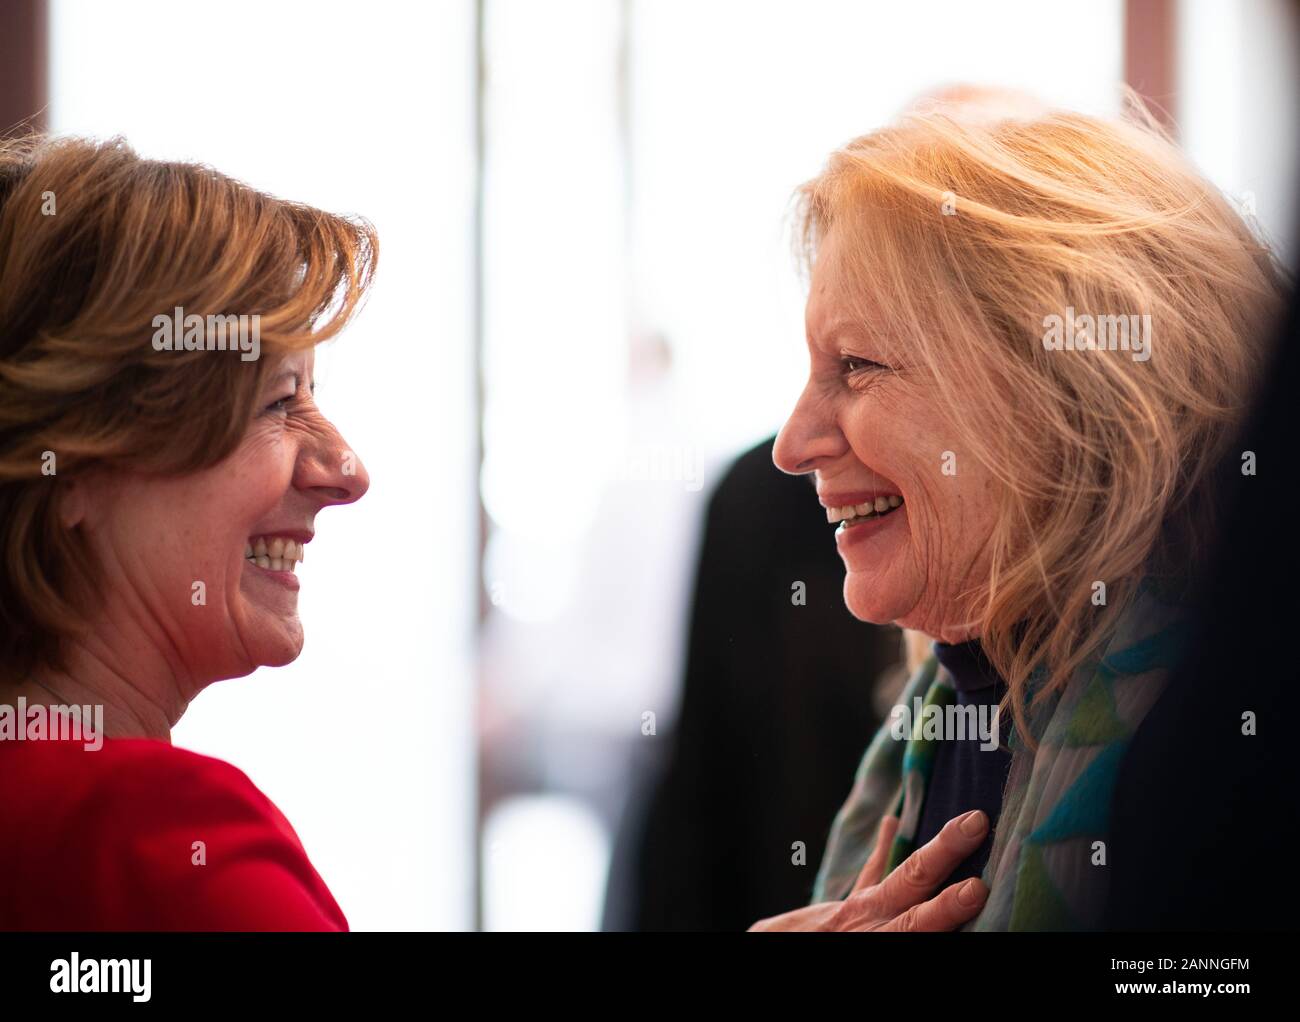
x=964, y=776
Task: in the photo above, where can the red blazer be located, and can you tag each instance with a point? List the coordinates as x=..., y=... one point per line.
x=106, y=840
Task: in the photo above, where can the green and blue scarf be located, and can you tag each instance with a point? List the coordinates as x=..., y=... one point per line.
x=1047, y=869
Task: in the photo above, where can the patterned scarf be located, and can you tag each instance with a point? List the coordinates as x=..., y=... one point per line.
x=1047, y=867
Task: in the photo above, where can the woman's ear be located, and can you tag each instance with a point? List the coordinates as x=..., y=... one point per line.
x=71, y=499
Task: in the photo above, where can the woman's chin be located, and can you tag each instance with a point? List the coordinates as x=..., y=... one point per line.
x=282, y=657
x=278, y=642
x=866, y=599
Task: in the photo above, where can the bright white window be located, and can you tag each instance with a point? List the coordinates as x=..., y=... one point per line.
x=644, y=324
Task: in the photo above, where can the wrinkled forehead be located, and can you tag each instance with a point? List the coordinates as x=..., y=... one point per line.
x=825, y=287
x=295, y=363
x=840, y=300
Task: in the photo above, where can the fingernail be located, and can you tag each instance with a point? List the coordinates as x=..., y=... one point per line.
x=973, y=823
x=970, y=893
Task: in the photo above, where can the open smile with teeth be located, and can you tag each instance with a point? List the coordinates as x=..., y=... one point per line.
x=855, y=514
x=273, y=552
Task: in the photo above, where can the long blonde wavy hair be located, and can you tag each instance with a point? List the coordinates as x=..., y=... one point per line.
x=969, y=227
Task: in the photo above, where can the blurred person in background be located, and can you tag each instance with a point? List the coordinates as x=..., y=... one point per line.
x=1217, y=746
x=776, y=703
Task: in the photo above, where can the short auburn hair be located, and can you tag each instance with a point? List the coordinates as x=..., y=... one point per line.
x=95, y=242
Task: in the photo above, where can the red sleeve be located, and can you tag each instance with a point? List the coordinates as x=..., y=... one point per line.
x=150, y=837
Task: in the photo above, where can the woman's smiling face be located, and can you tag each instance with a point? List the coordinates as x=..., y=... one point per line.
x=157, y=537
x=868, y=427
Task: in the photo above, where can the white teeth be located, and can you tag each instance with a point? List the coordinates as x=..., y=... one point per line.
x=279, y=554
x=848, y=512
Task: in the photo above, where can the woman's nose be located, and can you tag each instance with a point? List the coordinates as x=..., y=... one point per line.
x=331, y=469
x=809, y=438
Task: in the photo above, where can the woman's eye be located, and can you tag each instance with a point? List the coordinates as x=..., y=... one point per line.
x=280, y=405
x=852, y=365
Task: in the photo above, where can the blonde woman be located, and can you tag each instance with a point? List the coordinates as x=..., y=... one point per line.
x=1032, y=335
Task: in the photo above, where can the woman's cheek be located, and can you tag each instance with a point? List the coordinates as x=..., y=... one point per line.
x=265, y=467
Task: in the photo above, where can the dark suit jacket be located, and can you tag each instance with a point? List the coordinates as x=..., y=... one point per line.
x=1205, y=817
x=776, y=711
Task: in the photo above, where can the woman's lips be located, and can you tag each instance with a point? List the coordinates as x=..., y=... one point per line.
x=284, y=578
x=849, y=536
x=273, y=555
x=861, y=514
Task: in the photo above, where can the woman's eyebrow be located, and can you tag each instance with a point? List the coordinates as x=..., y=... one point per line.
x=867, y=337
x=856, y=339
x=844, y=326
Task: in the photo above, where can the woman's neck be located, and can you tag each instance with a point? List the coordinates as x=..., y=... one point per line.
x=126, y=708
